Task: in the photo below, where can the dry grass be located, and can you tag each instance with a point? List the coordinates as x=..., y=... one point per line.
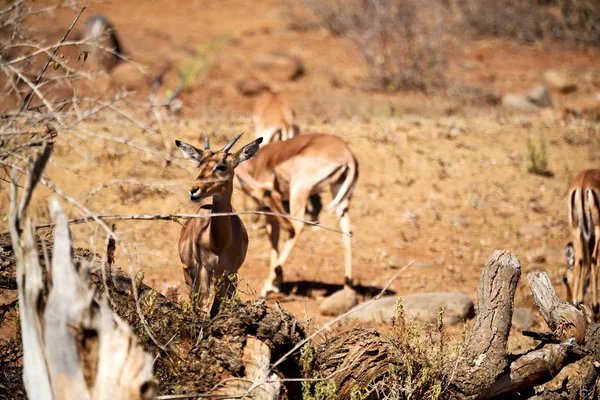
x=566, y=20
x=398, y=40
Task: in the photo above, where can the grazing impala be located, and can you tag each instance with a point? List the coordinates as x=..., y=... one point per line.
x=584, y=221
x=274, y=118
x=104, y=46
x=213, y=248
x=292, y=171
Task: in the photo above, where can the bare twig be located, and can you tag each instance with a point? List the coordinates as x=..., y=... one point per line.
x=175, y=217
x=28, y=96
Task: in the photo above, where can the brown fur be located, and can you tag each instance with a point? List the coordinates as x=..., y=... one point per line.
x=274, y=119
x=584, y=221
x=212, y=250
x=294, y=170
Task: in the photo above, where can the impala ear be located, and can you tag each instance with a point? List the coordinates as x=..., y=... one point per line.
x=247, y=152
x=189, y=151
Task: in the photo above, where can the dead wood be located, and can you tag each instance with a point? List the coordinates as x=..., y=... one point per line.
x=355, y=359
x=484, y=356
x=531, y=369
x=73, y=346
x=203, y=355
x=565, y=319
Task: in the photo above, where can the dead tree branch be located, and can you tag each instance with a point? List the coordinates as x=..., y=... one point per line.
x=485, y=352
x=565, y=319
x=73, y=346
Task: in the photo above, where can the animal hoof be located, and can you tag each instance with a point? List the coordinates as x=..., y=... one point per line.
x=268, y=288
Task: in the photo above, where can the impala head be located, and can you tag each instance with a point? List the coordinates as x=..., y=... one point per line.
x=216, y=167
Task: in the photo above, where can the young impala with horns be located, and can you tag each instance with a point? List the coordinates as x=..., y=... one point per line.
x=292, y=171
x=584, y=221
x=212, y=250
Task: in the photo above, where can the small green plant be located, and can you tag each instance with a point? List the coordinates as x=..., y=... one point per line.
x=538, y=158
x=201, y=63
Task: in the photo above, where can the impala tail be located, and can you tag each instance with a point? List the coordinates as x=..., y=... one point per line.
x=347, y=188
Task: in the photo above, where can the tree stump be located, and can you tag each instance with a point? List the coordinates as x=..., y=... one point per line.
x=485, y=358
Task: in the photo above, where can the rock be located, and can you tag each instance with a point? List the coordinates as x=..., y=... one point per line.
x=573, y=138
x=421, y=306
x=129, y=76
x=250, y=86
x=518, y=102
x=539, y=96
x=584, y=106
x=534, y=230
x=522, y=318
x=279, y=66
x=559, y=81
x=395, y=263
x=339, y=302
x=537, y=256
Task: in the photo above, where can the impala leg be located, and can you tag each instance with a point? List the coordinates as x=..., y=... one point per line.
x=594, y=270
x=568, y=275
x=224, y=290
x=297, y=206
x=578, y=268
x=273, y=230
x=344, y=220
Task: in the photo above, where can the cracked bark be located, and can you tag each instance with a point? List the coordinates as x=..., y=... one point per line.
x=485, y=358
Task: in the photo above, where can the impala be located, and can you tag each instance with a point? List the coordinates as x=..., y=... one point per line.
x=105, y=46
x=274, y=118
x=293, y=170
x=584, y=221
x=212, y=250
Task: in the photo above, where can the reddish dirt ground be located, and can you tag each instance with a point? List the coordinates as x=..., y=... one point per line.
x=442, y=182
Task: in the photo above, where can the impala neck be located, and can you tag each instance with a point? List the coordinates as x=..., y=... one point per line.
x=220, y=227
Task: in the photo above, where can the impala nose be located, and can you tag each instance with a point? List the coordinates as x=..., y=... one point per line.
x=195, y=193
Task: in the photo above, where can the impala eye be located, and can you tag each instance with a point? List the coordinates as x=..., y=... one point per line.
x=221, y=167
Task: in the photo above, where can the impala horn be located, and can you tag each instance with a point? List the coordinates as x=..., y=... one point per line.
x=206, y=141
x=231, y=143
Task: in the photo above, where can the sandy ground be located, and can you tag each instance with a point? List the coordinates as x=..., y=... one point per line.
x=442, y=182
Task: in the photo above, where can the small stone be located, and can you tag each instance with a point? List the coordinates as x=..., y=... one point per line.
x=395, y=263
x=279, y=66
x=518, y=102
x=250, y=86
x=421, y=306
x=534, y=230
x=555, y=80
x=539, y=96
x=339, y=302
x=537, y=256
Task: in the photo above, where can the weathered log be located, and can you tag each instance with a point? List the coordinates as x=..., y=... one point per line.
x=531, y=369
x=359, y=358
x=565, y=319
x=484, y=357
x=74, y=347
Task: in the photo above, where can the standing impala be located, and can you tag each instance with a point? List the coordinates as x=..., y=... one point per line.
x=273, y=118
x=293, y=170
x=213, y=248
x=584, y=221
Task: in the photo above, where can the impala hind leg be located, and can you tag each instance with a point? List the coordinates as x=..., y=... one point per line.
x=594, y=271
x=297, y=208
x=568, y=275
x=344, y=220
x=275, y=275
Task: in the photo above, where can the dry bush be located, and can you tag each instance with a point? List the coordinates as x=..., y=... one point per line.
x=568, y=20
x=398, y=40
